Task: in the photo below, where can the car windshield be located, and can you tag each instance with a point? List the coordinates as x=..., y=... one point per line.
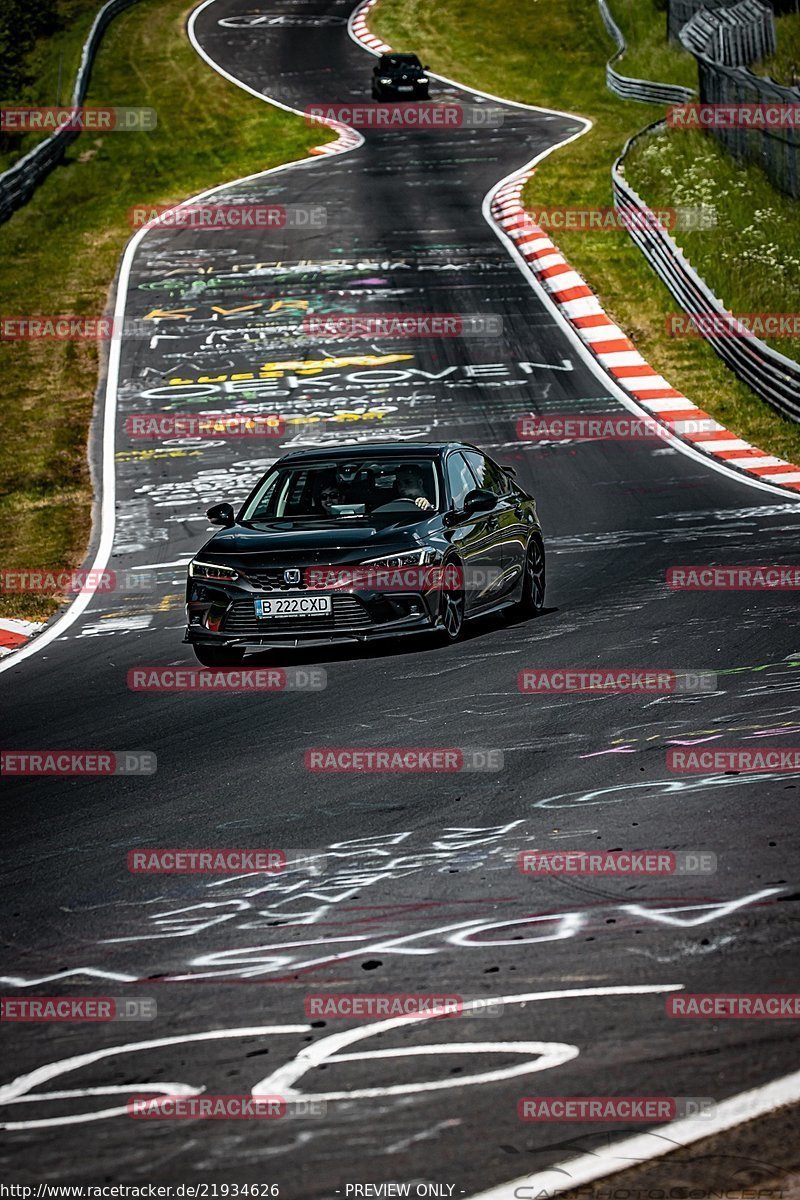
x=359, y=489
x=391, y=62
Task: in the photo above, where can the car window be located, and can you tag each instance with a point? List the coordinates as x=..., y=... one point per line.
x=487, y=473
x=345, y=488
x=460, y=480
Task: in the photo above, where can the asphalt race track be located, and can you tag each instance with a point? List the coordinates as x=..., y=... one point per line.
x=404, y=883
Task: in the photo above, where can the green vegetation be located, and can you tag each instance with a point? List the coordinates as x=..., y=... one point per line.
x=59, y=253
x=784, y=64
x=751, y=260
x=496, y=46
x=38, y=43
x=649, y=54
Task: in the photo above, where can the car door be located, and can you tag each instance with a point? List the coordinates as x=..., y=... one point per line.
x=474, y=538
x=511, y=530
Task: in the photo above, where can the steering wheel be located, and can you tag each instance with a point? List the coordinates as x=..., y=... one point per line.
x=393, y=504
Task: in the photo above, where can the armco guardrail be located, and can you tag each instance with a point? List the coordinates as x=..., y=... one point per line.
x=681, y=11
x=734, y=36
x=771, y=375
x=18, y=183
x=628, y=88
x=724, y=42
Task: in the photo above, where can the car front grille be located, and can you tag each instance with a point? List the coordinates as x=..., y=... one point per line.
x=271, y=579
x=348, y=613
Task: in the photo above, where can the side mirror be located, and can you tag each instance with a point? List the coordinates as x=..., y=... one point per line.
x=221, y=514
x=479, y=500
x=426, y=67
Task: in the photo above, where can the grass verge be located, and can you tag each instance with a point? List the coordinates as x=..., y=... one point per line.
x=495, y=46
x=59, y=253
x=649, y=54
x=58, y=55
x=784, y=64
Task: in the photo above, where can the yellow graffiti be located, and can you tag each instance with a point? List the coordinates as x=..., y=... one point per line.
x=169, y=314
x=301, y=366
x=340, y=415
x=159, y=452
x=182, y=314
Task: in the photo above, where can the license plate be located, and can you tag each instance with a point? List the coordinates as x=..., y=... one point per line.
x=291, y=605
x=405, y=89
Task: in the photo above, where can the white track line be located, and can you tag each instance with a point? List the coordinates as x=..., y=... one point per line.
x=107, y=512
x=643, y=1147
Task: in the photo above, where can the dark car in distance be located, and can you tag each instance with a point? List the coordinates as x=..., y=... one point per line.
x=358, y=542
x=400, y=77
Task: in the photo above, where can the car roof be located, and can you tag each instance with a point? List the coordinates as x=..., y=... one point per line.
x=377, y=450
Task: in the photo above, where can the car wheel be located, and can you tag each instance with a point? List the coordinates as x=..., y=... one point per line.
x=218, y=656
x=531, y=600
x=451, y=611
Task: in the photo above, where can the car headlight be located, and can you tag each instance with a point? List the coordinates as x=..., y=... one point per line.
x=385, y=79
x=201, y=570
x=422, y=79
x=410, y=558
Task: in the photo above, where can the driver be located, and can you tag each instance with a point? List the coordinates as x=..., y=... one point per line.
x=408, y=480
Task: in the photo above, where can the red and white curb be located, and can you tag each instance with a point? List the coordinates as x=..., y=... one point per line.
x=14, y=634
x=608, y=344
x=348, y=139
x=358, y=27
x=617, y=354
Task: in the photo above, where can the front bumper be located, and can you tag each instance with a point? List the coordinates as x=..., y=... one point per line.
x=217, y=619
x=391, y=91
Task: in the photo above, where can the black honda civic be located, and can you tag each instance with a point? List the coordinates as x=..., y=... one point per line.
x=400, y=77
x=354, y=543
